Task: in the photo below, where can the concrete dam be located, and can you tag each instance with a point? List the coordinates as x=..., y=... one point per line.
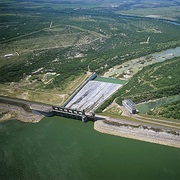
x=81, y=104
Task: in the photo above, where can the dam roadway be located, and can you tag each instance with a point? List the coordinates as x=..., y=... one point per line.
x=48, y=110
x=32, y=105
x=80, y=105
x=45, y=110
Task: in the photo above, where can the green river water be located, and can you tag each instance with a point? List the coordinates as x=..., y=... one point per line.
x=66, y=149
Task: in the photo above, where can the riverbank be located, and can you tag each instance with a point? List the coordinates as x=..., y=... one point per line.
x=129, y=68
x=9, y=112
x=139, y=132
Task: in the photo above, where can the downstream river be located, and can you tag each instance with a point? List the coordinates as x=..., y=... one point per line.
x=66, y=149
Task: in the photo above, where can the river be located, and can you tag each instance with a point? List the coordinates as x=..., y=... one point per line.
x=66, y=149
x=142, y=17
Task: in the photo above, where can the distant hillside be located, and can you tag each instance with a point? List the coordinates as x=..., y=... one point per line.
x=49, y=44
x=168, y=111
x=53, y=44
x=153, y=82
x=131, y=3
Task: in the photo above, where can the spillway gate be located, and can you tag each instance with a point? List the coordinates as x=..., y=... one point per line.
x=71, y=113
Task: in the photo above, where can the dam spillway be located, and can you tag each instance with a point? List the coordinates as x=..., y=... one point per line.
x=71, y=113
x=81, y=105
x=92, y=95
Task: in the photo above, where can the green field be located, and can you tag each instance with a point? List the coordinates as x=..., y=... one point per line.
x=110, y=80
x=153, y=82
x=49, y=39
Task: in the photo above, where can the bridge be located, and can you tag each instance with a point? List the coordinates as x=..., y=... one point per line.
x=71, y=113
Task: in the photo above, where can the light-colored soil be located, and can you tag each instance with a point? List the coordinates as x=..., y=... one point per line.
x=142, y=133
x=23, y=90
x=113, y=108
x=9, y=112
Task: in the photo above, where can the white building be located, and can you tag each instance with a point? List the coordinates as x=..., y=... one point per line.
x=8, y=55
x=129, y=105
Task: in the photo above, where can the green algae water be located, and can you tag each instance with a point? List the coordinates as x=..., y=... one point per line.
x=66, y=149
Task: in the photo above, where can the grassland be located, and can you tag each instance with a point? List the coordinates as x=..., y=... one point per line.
x=54, y=46
x=153, y=82
x=114, y=109
x=111, y=80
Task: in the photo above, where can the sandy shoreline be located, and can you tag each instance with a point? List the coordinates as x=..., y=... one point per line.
x=9, y=112
x=142, y=133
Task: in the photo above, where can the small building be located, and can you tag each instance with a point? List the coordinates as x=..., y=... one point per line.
x=129, y=105
x=8, y=55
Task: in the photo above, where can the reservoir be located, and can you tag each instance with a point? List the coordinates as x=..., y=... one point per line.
x=66, y=149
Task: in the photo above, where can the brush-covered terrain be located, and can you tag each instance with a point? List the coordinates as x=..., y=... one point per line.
x=171, y=110
x=49, y=48
x=153, y=82
x=156, y=81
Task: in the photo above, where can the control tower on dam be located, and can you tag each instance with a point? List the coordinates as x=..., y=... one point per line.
x=70, y=113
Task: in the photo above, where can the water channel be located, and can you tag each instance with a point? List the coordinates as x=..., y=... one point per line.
x=141, y=17
x=66, y=149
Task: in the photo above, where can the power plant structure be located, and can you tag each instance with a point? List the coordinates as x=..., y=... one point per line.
x=130, y=106
x=71, y=113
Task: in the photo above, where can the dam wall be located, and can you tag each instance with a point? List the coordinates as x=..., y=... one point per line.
x=46, y=110
x=71, y=113
x=47, y=114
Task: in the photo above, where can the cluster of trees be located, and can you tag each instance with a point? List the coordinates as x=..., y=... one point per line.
x=139, y=87
x=120, y=37
x=168, y=111
x=153, y=82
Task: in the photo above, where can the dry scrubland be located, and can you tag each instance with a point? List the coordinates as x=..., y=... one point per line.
x=46, y=53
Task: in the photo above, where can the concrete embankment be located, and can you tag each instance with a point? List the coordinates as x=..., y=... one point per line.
x=142, y=133
x=93, y=76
